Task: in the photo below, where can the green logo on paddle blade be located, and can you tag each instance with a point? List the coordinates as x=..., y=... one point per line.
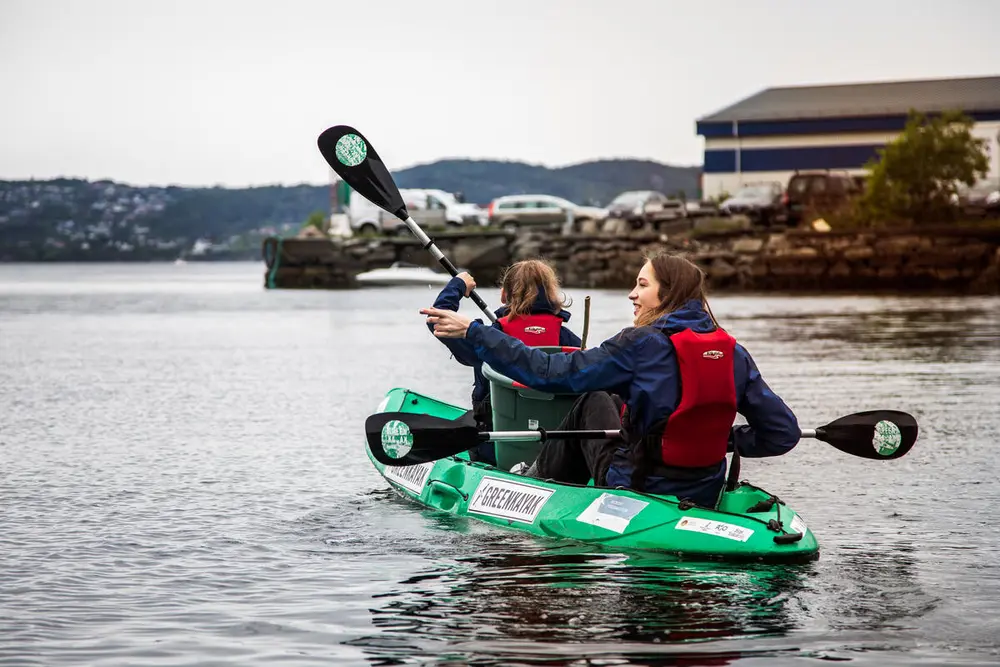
x=887, y=438
x=351, y=150
x=397, y=441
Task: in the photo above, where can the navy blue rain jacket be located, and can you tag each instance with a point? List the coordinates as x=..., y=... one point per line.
x=639, y=364
x=450, y=298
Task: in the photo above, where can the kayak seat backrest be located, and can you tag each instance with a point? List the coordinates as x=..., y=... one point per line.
x=520, y=408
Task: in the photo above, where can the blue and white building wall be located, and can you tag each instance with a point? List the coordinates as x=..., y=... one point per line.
x=738, y=154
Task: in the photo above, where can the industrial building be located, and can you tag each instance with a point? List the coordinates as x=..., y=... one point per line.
x=770, y=135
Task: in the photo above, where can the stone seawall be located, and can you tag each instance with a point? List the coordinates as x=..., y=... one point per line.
x=957, y=260
x=311, y=263
x=948, y=260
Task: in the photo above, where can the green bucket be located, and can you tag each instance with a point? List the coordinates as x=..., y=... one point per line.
x=518, y=408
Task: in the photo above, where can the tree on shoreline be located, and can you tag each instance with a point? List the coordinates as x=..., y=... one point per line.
x=916, y=174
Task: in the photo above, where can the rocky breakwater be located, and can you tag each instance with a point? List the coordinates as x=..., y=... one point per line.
x=960, y=260
x=323, y=263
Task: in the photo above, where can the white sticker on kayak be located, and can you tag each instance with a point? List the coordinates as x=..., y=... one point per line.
x=798, y=525
x=508, y=500
x=413, y=478
x=718, y=528
x=611, y=512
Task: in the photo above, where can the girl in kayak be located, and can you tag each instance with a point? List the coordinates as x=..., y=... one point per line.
x=674, y=382
x=532, y=312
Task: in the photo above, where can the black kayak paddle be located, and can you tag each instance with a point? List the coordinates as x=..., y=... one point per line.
x=404, y=439
x=356, y=161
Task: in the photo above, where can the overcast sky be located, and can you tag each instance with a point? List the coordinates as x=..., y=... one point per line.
x=234, y=93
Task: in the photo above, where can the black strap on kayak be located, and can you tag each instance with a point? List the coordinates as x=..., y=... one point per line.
x=733, y=479
x=763, y=505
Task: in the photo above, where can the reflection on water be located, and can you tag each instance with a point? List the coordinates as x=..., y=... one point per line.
x=957, y=331
x=630, y=608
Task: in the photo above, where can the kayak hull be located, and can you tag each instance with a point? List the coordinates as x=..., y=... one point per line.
x=620, y=519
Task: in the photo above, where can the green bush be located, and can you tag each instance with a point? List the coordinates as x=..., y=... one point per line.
x=916, y=174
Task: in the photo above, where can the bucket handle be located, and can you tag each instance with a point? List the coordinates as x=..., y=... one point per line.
x=528, y=392
x=523, y=389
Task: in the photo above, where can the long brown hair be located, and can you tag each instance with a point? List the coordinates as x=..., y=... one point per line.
x=680, y=281
x=521, y=283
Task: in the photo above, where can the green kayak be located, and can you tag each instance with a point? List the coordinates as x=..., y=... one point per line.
x=748, y=523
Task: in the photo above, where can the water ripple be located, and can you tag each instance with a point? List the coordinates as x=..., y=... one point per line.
x=183, y=483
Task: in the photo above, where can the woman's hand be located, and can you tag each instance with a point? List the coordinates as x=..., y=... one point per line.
x=447, y=323
x=470, y=282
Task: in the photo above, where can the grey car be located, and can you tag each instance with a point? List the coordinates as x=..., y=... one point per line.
x=513, y=211
x=638, y=207
x=982, y=199
x=761, y=202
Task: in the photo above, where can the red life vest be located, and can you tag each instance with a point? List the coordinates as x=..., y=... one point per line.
x=540, y=330
x=697, y=432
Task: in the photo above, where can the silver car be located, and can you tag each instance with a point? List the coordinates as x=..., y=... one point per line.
x=513, y=211
x=982, y=199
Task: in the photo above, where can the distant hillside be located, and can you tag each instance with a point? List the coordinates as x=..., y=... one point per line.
x=591, y=182
x=79, y=219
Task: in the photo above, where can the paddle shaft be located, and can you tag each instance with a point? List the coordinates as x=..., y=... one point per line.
x=542, y=435
x=586, y=323
x=432, y=248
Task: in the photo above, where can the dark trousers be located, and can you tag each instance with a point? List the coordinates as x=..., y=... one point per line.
x=578, y=461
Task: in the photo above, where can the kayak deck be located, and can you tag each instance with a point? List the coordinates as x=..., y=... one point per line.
x=748, y=524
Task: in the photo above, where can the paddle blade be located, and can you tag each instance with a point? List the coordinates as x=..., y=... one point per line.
x=355, y=160
x=405, y=439
x=876, y=434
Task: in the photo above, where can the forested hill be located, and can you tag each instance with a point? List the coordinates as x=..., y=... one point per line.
x=596, y=182
x=79, y=219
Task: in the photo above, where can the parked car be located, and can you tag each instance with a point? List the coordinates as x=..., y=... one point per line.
x=981, y=199
x=818, y=191
x=638, y=207
x=701, y=208
x=761, y=202
x=427, y=207
x=513, y=211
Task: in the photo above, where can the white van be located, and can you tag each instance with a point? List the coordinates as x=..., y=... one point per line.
x=427, y=207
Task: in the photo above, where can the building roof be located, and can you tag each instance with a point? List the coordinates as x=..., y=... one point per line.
x=888, y=98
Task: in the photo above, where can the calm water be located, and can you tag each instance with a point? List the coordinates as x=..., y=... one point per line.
x=183, y=482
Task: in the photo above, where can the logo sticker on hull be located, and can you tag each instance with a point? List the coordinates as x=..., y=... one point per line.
x=799, y=526
x=412, y=478
x=612, y=512
x=718, y=528
x=509, y=500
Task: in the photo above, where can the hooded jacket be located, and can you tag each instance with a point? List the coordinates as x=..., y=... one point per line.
x=639, y=364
